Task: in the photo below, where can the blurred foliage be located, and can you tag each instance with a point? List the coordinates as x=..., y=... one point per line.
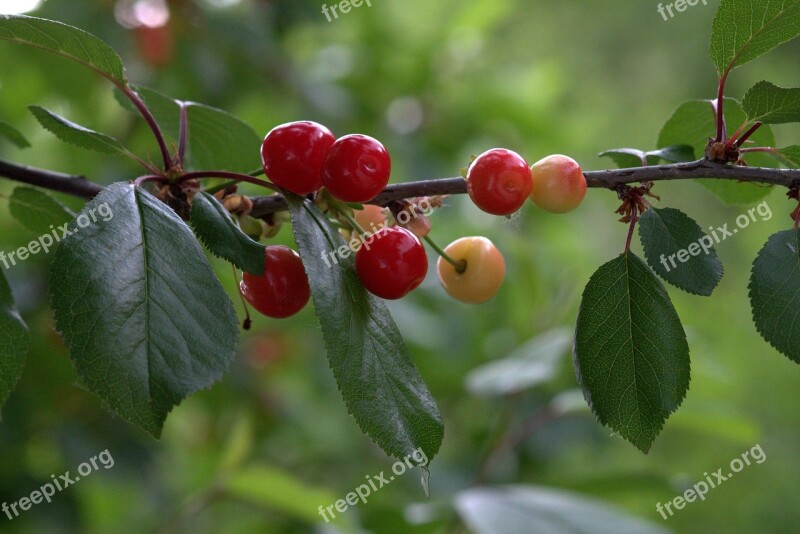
x=437, y=82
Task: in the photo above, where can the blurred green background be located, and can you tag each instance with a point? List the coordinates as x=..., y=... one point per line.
x=436, y=82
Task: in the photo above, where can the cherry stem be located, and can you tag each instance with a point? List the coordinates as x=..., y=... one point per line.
x=759, y=149
x=247, y=320
x=226, y=185
x=745, y=136
x=234, y=176
x=343, y=211
x=634, y=219
x=184, y=132
x=144, y=111
x=459, y=265
x=142, y=162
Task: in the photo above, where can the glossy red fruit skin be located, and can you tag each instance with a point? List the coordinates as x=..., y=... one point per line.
x=391, y=263
x=293, y=155
x=499, y=181
x=357, y=168
x=283, y=290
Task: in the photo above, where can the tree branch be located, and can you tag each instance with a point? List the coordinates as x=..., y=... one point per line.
x=608, y=179
x=55, y=181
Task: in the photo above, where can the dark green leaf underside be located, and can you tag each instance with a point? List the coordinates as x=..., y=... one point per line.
x=221, y=235
x=13, y=135
x=38, y=211
x=669, y=236
x=64, y=40
x=631, y=356
x=14, y=340
x=75, y=134
x=775, y=292
x=371, y=364
x=146, y=320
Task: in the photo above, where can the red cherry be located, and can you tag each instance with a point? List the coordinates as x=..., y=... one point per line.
x=357, y=168
x=293, y=155
x=391, y=263
x=283, y=290
x=499, y=181
x=156, y=45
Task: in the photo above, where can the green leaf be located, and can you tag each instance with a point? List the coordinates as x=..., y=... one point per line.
x=75, y=134
x=515, y=509
x=746, y=29
x=631, y=356
x=13, y=135
x=775, y=292
x=771, y=104
x=791, y=153
x=371, y=364
x=38, y=211
x=694, y=122
x=215, y=228
x=625, y=157
x=679, y=251
x=217, y=140
x=631, y=157
x=270, y=488
x=146, y=320
x=66, y=41
x=534, y=363
x=674, y=153
x=14, y=340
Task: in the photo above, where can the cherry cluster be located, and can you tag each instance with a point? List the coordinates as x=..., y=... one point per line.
x=305, y=158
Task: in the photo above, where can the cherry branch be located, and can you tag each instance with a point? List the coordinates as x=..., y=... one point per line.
x=607, y=179
x=55, y=181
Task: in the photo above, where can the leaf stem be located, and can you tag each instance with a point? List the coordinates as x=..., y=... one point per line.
x=147, y=115
x=634, y=219
x=745, y=136
x=234, y=176
x=459, y=265
x=732, y=140
x=248, y=321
